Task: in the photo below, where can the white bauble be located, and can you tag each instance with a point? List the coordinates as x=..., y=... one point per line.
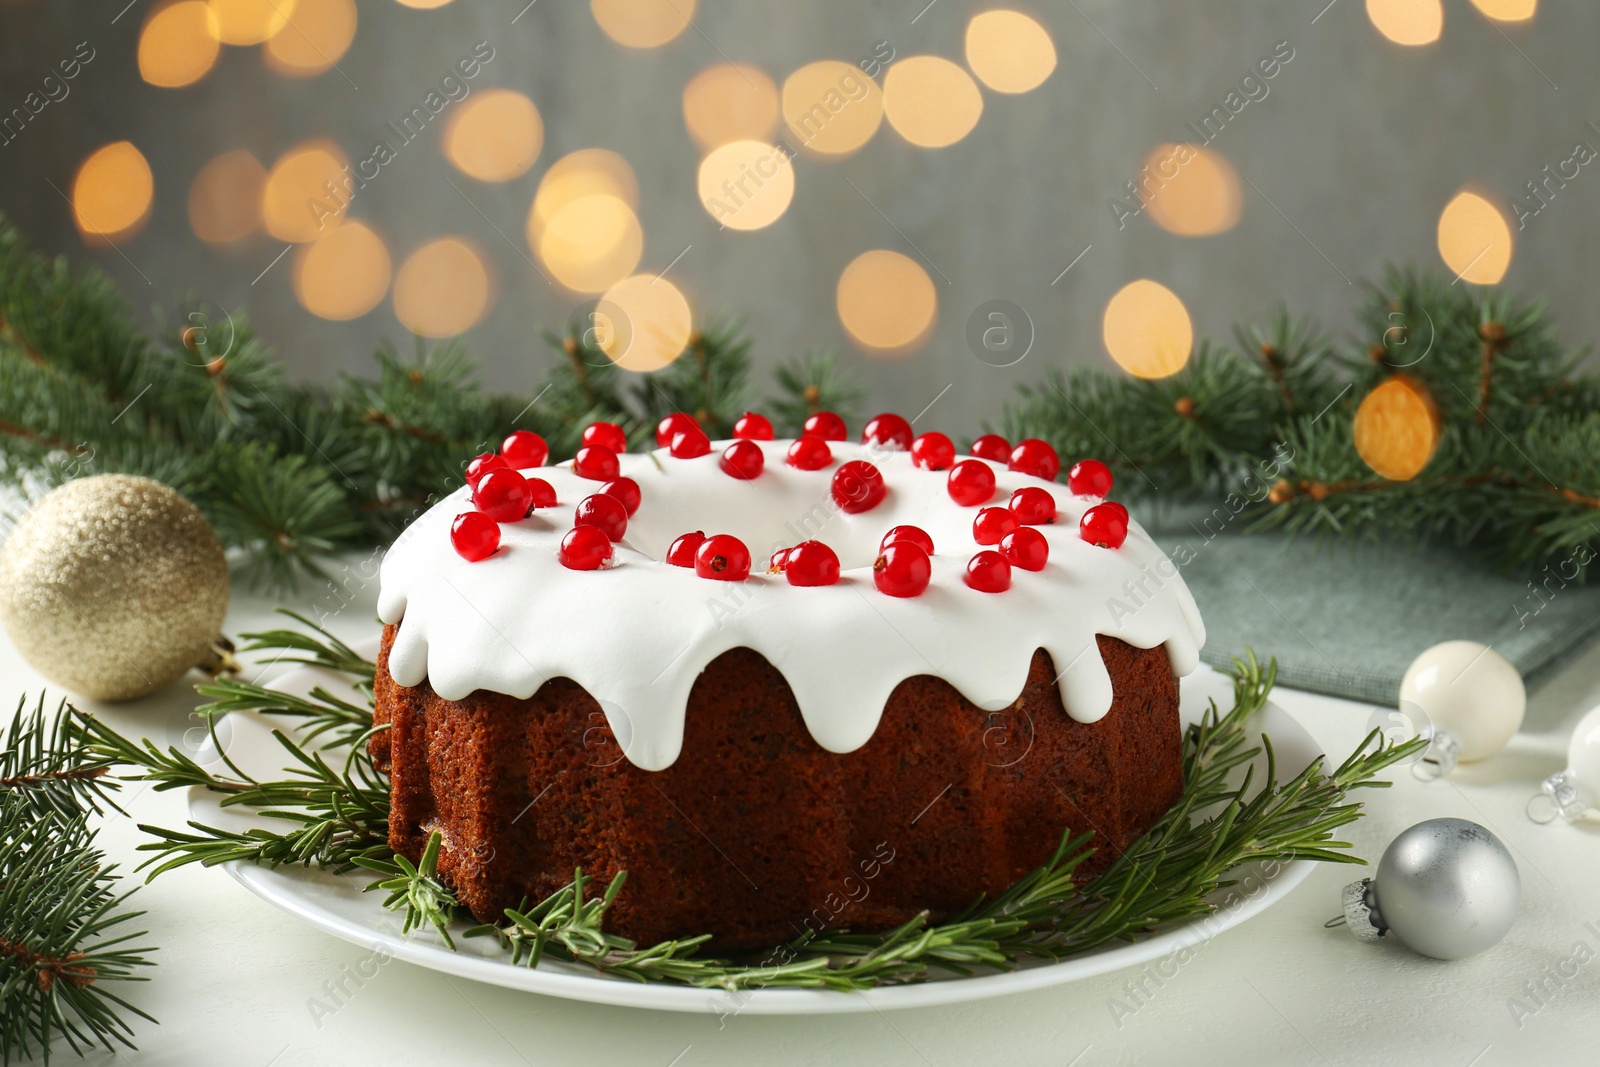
x=1470, y=690
x=1583, y=758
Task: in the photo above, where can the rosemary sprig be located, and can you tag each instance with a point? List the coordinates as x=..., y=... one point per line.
x=338, y=820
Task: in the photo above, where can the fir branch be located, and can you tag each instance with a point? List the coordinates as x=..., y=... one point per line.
x=46, y=766
x=62, y=942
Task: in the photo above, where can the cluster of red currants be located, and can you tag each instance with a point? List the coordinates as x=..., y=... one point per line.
x=500, y=494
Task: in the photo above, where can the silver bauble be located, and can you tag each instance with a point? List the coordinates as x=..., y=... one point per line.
x=113, y=586
x=1446, y=888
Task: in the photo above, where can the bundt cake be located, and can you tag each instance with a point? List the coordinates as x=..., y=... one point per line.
x=855, y=731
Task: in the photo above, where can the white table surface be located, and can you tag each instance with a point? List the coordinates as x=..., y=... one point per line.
x=236, y=978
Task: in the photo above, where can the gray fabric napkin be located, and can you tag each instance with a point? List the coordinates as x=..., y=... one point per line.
x=1348, y=618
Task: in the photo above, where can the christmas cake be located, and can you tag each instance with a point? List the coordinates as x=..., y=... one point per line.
x=936, y=665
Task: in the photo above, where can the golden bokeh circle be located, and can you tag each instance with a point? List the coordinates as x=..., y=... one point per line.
x=1475, y=239
x=225, y=198
x=314, y=40
x=296, y=204
x=1407, y=22
x=586, y=172
x=494, y=136
x=1008, y=51
x=1507, y=10
x=343, y=275
x=642, y=23
x=422, y=5
x=930, y=101
x=886, y=302
x=442, y=288
x=1195, y=190
x=1147, y=330
x=831, y=107
x=1396, y=428
x=592, y=243
x=645, y=322
x=178, y=44
x=730, y=102
x=746, y=185
x=250, y=21
x=112, y=191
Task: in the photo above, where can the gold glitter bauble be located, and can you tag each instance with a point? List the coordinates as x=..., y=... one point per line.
x=113, y=586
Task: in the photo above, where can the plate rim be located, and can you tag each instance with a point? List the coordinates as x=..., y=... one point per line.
x=282, y=888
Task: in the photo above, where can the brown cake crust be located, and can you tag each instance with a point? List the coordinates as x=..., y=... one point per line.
x=756, y=833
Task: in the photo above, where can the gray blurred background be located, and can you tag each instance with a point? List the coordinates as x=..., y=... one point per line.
x=1346, y=165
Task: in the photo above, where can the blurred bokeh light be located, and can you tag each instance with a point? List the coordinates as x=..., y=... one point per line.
x=1407, y=22
x=494, y=136
x=1008, y=51
x=592, y=243
x=886, y=302
x=1507, y=10
x=112, y=191
x=831, y=108
x=1147, y=330
x=297, y=204
x=646, y=322
x=1397, y=428
x=930, y=101
x=344, y=275
x=178, y=45
x=250, y=21
x=225, y=197
x=314, y=40
x=442, y=289
x=1201, y=198
x=746, y=185
x=642, y=23
x=1474, y=239
x=729, y=102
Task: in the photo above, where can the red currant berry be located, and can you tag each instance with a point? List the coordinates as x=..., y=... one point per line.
x=681, y=554
x=971, y=483
x=753, y=427
x=743, y=460
x=483, y=464
x=688, y=444
x=524, y=449
x=608, y=434
x=474, y=535
x=541, y=494
x=809, y=454
x=722, y=557
x=1089, y=477
x=1118, y=508
x=915, y=534
x=991, y=446
x=502, y=494
x=933, y=451
x=624, y=489
x=857, y=486
x=988, y=572
x=1033, y=506
x=1025, y=547
x=811, y=563
x=888, y=431
x=673, y=425
x=992, y=524
x=902, y=570
x=595, y=462
x=1105, y=525
x=826, y=425
x=776, y=561
x=1037, y=458
x=606, y=513
x=584, y=548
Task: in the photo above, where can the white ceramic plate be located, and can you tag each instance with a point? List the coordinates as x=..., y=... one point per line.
x=337, y=904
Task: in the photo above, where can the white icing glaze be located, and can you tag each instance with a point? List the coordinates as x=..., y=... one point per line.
x=638, y=634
